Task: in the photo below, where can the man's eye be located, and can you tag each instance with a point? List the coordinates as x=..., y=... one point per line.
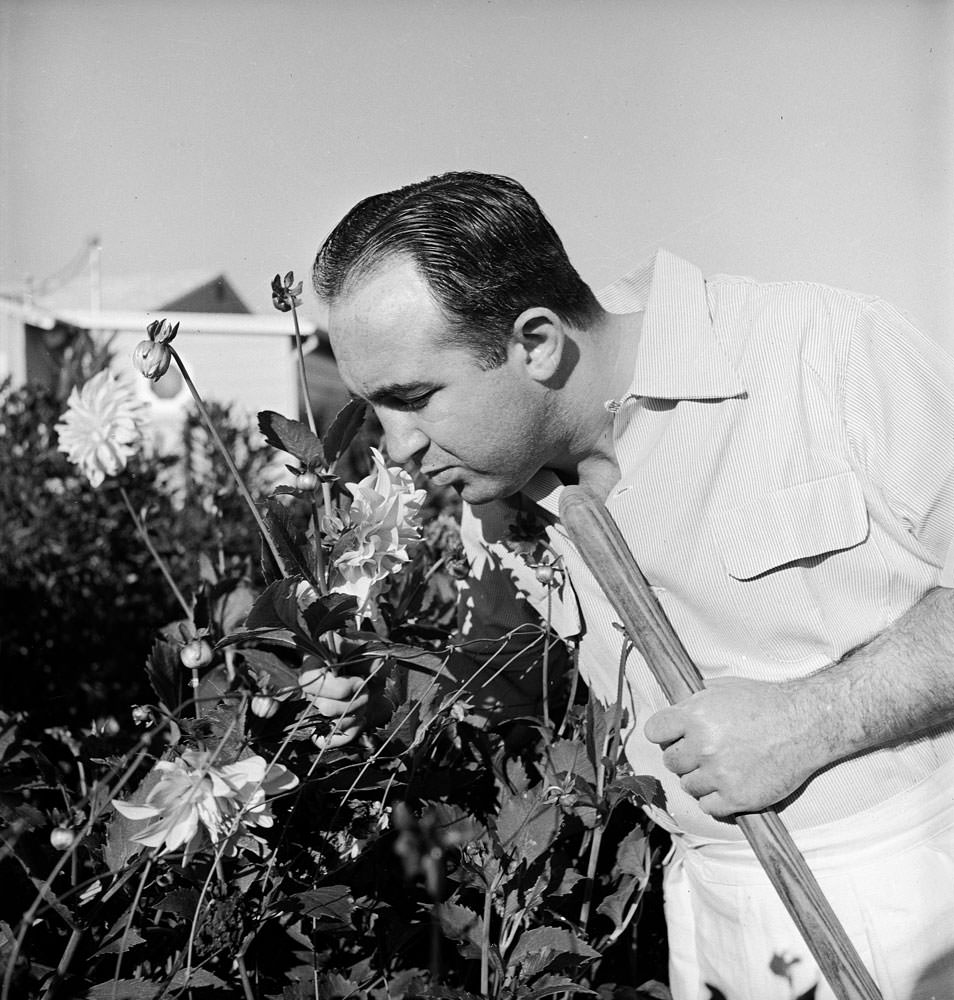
x=414, y=403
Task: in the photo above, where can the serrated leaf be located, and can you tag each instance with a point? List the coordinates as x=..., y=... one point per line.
x=615, y=905
x=632, y=854
x=542, y=947
x=343, y=428
x=291, y=436
x=119, y=845
x=181, y=902
x=274, y=667
x=276, y=607
x=462, y=925
x=652, y=989
x=447, y=993
x=123, y=989
x=165, y=672
x=570, y=757
x=558, y=985
x=527, y=826
x=570, y=878
x=288, y=538
x=329, y=612
x=635, y=788
x=328, y=902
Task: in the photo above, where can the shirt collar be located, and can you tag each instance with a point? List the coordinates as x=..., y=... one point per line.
x=679, y=356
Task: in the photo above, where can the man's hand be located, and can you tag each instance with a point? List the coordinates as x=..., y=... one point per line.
x=739, y=745
x=340, y=699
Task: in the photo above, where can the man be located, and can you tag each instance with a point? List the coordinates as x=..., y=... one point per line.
x=780, y=459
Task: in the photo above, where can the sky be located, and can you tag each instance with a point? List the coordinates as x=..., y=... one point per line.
x=806, y=139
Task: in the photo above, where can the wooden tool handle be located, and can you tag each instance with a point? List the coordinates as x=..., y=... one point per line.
x=604, y=550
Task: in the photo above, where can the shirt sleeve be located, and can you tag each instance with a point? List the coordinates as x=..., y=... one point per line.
x=899, y=417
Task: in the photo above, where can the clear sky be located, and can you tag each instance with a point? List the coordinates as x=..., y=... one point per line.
x=778, y=138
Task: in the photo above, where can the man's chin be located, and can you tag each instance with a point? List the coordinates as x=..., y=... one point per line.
x=484, y=490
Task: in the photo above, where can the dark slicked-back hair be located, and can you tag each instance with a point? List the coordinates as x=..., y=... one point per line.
x=482, y=244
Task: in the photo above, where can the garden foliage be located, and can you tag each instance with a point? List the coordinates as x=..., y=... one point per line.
x=236, y=844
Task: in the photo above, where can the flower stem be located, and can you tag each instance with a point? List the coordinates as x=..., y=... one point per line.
x=160, y=562
x=546, y=661
x=320, y=574
x=306, y=399
x=233, y=468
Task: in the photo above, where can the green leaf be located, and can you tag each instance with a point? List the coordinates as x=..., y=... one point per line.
x=291, y=436
x=462, y=925
x=447, y=993
x=329, y=612
x=343, y=428
x=635, y=788
x=570, y=757
x=288, y=538
x=182, y=902
x=632, y=855
x=328, y=902
x=558, y=986
x=542, y=947
x=262, y=614
x=261, y=661
x=119, y=847
x=166, y=673
x=527, y=825
x=615, y=905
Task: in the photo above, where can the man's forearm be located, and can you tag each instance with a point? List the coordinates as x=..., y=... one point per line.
x=895, y=686
x=741, y=745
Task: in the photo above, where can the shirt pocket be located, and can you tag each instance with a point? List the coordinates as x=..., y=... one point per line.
x=775, y=551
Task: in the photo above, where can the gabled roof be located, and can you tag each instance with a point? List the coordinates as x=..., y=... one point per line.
x=177, y=291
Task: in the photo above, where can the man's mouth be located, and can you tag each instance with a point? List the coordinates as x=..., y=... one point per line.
x=442, y=476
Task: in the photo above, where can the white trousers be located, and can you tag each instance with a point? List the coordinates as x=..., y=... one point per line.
x=888, y=873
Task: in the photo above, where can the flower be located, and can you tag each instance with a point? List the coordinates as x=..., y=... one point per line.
x=193, y=794
x=385, y=519
x=152, y=357
x=286, y=295
x=102, y=427
x=151, y=360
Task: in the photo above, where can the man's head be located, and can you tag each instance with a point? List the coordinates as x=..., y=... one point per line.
x=454, y=311
x=480, y=242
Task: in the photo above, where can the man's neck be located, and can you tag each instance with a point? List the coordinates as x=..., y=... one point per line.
x=604, y=373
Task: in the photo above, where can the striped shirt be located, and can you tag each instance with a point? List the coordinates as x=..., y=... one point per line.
x=786, y=456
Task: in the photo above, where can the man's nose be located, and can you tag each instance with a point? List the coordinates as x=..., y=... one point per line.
x=404, y=438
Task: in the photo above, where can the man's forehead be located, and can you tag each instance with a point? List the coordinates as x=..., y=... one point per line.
x=392, y=291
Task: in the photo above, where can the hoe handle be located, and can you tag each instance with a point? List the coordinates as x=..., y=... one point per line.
x=604, y=550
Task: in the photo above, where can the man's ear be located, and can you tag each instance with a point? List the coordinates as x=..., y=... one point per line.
x=541, y=336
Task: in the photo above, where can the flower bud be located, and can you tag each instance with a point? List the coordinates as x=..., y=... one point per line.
x=152, y=359
x=196, y=654
x=546, y=575
x=306, y=482
x=161, y=331
x=61, y=839
x=264, y=706
x=142, y=715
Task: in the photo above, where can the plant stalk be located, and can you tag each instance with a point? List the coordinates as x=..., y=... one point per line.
x=160, y=562
x=233, y=468
x=306, y=399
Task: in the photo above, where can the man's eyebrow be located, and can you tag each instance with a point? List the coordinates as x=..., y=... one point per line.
x=398, y=390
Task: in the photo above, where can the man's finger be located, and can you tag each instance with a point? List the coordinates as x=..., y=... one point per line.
x=665, y=727
x=337, y=738
x=697, y=784
x=336, y=707
x=323, y=683
x=679, y=759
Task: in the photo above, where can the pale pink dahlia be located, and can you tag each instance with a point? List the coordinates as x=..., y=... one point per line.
x=102, y=427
